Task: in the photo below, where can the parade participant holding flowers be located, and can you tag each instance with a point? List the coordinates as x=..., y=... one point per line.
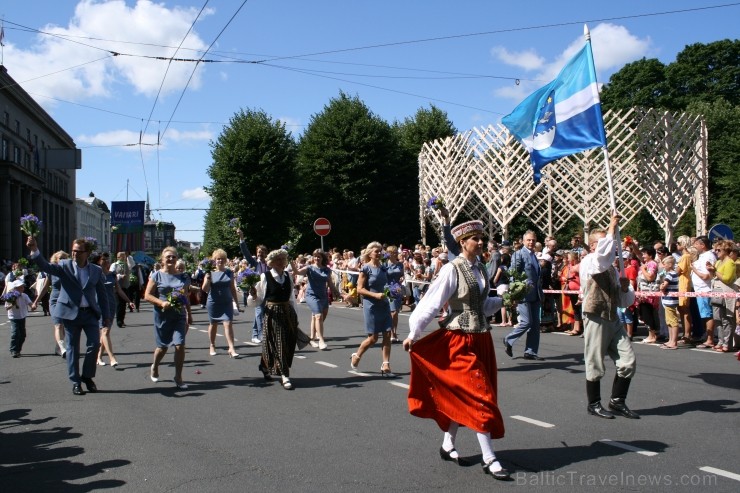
x=371, y=286
x=167, y=291
x=222, y=297
x=280, y=324
x=395, y=272
x=454, y=379
x=316, y=295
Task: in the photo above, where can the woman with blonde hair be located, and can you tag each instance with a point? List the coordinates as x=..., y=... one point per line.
x=375, y=306
x=222, y=297
x=395, y=272
x=55, y=284
x=281, y=334
x=683, y=268
x=167, y=292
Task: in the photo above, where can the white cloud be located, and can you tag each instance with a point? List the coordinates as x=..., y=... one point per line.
x=526, y=59
x=130, y=139
x=613, y=47
x=85, y=71
x=195, y=194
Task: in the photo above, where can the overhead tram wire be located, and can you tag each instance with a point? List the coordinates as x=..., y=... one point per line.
x=501, y=31
x=182, y=94
x=306, y=72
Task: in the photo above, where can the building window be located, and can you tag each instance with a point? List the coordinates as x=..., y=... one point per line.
x=6, y=151
x=16, y=154
x=18, y=127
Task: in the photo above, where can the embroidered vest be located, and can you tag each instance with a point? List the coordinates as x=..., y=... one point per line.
x=466, y=306
x=276, y=292
x=601, y=295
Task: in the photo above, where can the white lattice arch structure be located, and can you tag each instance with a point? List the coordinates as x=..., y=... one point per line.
x=658, y=160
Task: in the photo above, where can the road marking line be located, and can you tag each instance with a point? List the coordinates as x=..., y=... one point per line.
x=324, y=363
x=359, y=373
x=628, y=447
x=399, y=384
x=720, y=472
x=299, y=356
x=250, y=343
x=533, y=421
x=203, y=330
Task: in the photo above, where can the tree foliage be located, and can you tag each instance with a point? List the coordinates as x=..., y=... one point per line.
x=704, y=79
x=252, y=179
x=347, y=160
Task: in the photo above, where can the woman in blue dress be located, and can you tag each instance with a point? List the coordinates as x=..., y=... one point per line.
x=318, y=276
x=167, y=291
x=111, y=288
x=56, y=284
x=222, y=297
x=375, y=306
x=395, y=275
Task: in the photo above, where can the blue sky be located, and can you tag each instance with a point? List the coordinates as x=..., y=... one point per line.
x=397, y=56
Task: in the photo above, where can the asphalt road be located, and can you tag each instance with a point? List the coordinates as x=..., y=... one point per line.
x=350, y=431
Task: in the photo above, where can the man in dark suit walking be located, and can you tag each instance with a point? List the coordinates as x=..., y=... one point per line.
x=82, y=300
x=528, y=310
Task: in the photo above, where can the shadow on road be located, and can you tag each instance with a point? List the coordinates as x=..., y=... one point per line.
x=34, y=460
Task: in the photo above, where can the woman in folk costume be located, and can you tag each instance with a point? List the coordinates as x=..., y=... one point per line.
x=453, y=370
x=280, y=323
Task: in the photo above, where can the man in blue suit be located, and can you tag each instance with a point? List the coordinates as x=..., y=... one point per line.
x=528, y=310
x=82, y=300
x=259, y=265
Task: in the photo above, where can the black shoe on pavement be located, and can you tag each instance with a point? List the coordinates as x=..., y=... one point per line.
x=596, y=409
x=77, y=389
x=507, y=349
x=533, y=357
x=619, y=407
x=91, y=387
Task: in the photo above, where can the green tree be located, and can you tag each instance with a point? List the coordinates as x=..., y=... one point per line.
x=425, y=126
x=252, y=179
x=705, y=73
x=347, y=160
x=641, y=83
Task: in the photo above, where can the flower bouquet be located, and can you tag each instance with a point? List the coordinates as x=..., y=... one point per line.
x=393, y=291
x=177, y=299
x=207, y=265
x=435, y=203
x=160, y=226
x=234, y=223
x=519, y=286
x=114, y=228
x=31, y=225
x=92, y=243
x=11, y=299
x=247, y=279
x=290, y=248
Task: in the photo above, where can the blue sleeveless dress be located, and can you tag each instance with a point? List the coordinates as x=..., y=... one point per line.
x=170, y=326
x=377, y=312
x=220, y=301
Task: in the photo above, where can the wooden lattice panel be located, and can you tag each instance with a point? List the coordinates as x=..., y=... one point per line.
x=658, y=162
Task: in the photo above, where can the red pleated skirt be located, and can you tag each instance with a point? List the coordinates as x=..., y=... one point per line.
x=454, y=378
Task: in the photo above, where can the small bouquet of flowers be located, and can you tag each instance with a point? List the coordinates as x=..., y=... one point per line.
x=385, y=256
x=31, y=225
x=114, y=228
x=160, y=226
x=247, y=279
x=11, y=299
x=92, y=243
x=519, y=286
x=207, y=265
x=435, y=203
x=290, y=248
x=393, y=291
x=234, y=223
x=177, y=299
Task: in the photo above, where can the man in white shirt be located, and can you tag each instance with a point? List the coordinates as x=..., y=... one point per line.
x=701, y=279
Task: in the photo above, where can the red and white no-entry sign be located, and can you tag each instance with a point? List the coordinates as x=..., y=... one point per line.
x=322, y=226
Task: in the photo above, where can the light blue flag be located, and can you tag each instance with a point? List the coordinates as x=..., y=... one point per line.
x=562, y=118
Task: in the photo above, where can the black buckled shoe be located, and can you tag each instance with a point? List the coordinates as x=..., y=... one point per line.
x=91, y=387
x=507, y=349
x=498, y=473
x=619, y=407
x=77, y=389
x=595, y=409
x=448, y=455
